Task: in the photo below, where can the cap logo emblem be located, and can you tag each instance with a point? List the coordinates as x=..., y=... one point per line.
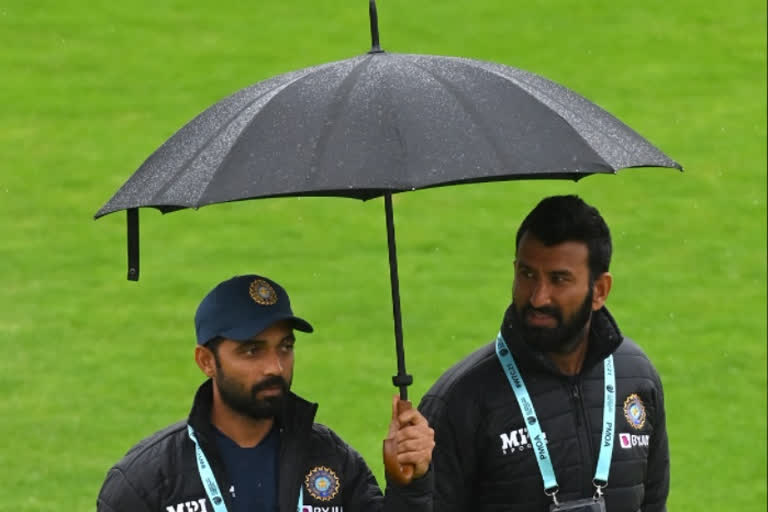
x=262, y=292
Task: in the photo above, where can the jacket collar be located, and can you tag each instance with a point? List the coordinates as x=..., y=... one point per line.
x=298, y=414
x=295, y=426
x=604, y=339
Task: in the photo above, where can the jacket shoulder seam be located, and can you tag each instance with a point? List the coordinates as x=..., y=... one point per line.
x=138, y=451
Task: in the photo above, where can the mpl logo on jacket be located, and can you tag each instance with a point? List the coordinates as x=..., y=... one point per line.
x=517, y=440
x=189, y=506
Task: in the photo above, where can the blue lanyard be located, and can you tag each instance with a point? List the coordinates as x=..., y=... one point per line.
x=209, y=481
x=534, y=428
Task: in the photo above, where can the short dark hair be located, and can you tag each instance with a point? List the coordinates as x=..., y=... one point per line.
x=559, y=219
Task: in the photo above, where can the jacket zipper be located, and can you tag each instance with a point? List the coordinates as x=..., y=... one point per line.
x=583, y=434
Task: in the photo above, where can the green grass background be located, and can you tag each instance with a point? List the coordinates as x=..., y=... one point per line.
x=92, y=363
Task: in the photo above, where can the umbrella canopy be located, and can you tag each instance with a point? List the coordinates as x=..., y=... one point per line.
x=375, y=125
x=383, y=122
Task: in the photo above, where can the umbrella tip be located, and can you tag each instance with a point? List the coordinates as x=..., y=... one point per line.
x=375, y=48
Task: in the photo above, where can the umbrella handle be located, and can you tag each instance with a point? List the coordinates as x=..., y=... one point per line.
x=132, y=223
x=403, y=475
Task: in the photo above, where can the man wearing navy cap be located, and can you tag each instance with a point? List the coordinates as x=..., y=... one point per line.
x=250, y=444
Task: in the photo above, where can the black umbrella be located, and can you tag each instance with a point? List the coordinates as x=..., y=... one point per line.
x=375, y=125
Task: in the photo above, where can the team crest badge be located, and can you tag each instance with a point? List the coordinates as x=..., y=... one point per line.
x=634, y=411
x=322, y=483
x=262, y=292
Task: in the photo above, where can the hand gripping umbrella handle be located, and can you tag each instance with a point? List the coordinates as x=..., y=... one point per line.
x=403, y=475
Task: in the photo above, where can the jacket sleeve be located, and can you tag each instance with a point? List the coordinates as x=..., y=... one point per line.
x=119, y=495
x=657, y=479
x=363, y=493
x=453, y=457
x=414, y=497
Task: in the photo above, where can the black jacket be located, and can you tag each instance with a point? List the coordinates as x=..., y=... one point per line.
x=483, y=460
x=160, y=473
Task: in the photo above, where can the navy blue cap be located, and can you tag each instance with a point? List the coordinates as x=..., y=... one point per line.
x=242, y=307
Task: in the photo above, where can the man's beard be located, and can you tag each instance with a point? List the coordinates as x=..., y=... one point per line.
x=561, y=339
x=246, y=402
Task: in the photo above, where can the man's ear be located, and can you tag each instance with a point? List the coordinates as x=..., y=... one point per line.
x=600, y=290
x=205, y=360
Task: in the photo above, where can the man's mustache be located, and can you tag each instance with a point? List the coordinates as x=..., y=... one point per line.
x=270, y=383
x=544, y=310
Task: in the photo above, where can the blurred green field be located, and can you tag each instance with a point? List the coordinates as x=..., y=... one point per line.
x=92, y=363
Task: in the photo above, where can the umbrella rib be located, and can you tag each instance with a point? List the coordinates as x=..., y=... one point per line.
x=222, y=128
x=250, y=122
x=402, y=142
x=335, y=110
x=172, y=179
x=527, y=87
x=468, y=108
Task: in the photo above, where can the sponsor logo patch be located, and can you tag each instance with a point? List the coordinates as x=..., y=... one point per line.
x=628, y=441
x=517, y=440
x=625, y=440
x=189, y=506
x=634, y=411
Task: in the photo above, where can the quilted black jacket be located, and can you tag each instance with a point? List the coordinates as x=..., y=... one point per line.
x=160, y=473
x=483, y=459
